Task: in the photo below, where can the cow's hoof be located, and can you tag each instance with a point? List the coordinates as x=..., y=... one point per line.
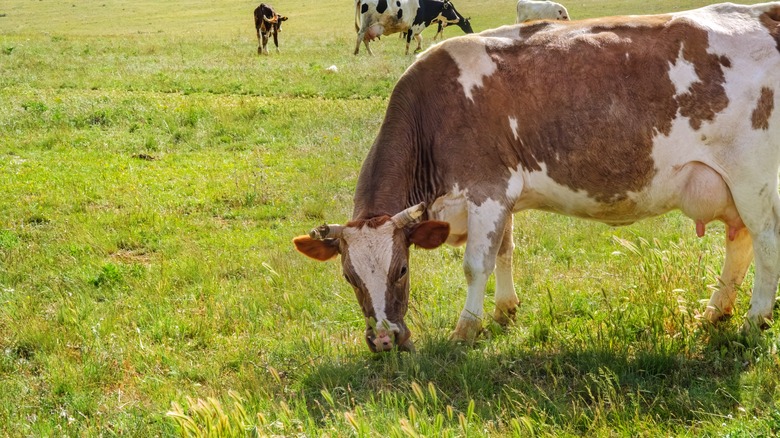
x=505, y=315
x=755, y=324
x=466, y=331
x=714, y=316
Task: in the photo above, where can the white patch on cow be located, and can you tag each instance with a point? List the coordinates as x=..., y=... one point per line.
x=516, y=183
x=452, y=208
x=682, y=73
x=473, y=62
x=371, y=252
x=540, y=191
x=513, y=125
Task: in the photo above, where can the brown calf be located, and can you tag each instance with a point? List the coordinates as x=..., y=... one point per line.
x=266, y=22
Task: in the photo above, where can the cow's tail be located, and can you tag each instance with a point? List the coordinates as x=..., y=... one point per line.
x=357, y=16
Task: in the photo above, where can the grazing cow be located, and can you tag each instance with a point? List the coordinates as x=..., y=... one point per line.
x=613, y=119
x=528, y=10
x=374, y=18
x=441, y=23
x=266, y=22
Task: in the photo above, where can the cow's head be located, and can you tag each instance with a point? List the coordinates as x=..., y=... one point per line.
x=453, y=16
x=374, y=260
x=465, y=24
x=278, y=23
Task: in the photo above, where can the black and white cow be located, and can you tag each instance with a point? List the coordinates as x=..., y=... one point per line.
x=374, y=18
x=612, y=119
x=267, y=21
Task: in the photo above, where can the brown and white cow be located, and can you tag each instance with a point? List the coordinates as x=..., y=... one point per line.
x=267, y=21
x=612, y=119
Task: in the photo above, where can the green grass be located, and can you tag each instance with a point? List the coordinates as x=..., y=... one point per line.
x=153, y=171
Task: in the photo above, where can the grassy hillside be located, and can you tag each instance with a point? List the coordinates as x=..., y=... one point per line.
x=153, y=171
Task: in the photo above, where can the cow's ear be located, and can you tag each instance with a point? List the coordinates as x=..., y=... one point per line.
x=283, y=18
x=321, y=250
x=429, y=234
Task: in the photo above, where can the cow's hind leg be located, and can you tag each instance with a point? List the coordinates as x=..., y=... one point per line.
x=506, y=298
x=418, y=38
x=761, y=214
x=486, y=224
x=361, y=38
x=739, y=254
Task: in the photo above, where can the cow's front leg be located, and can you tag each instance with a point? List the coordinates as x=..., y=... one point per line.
x=408, y=40
x=766, y=247
x=761, y=215
x=486, y=230
x=265, y=43
x=276, y=41
x=739, y=254
x=506, y=298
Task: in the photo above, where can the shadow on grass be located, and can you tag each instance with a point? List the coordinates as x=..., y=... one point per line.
x=563, y=387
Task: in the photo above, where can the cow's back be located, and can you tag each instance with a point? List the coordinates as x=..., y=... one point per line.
x=597, y=106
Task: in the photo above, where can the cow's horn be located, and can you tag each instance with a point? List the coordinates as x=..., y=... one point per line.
x=326, y=231
x=409, y=215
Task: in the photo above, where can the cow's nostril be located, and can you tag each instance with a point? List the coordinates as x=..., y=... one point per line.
x=383, y=341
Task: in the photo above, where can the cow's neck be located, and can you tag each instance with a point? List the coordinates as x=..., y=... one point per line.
x=398, y=172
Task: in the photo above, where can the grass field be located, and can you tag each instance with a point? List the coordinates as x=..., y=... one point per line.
x=153, y=171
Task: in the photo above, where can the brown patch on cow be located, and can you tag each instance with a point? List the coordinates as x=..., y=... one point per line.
x=594, y=133
x=361, y=292
x=397, y=292
x=528, y=30
x=706, y=97
x=771, y=20
x=763, y=109
x=623, y=100
x=374, y=222
x=623, y=21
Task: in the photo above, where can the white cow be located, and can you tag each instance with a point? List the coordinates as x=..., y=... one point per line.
x=528, y=10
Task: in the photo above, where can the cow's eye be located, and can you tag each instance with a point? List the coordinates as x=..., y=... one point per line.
x=403, y=272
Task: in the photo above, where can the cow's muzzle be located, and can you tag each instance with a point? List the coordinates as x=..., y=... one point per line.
x=386, y=340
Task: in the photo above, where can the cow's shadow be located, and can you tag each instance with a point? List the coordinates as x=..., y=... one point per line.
x=565, y=387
